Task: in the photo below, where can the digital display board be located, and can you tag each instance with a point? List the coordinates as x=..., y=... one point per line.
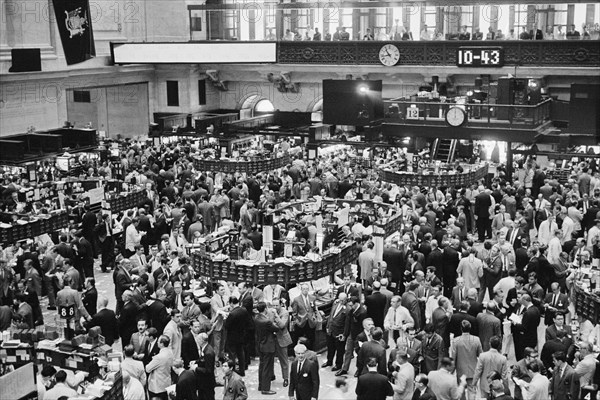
x=194, y=53
x=480, y=57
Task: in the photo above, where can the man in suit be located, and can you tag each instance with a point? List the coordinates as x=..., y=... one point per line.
x=205, y=369
x=89, y=297
x=557, y=326
x=459, y=293
x=520, y=370
x=85, y=255
x=356, y=315
x=564, y=384
x=64, y=249
x=483, y=201
x=450, y=258
x=304, y=376
x=422, y=389
x=337, y=332
x=454, y=326
x=489, y=325
x=475, y=306
x=219, y=309
x=560, y=343
x=6, y=278
x=304, y=313
x=432, y=348
x=157, y=314
x=555, y=302
x=489, y=362
x=373, y=385
x=106, y=320
x=138, y=260
x=376, y=304
x=443, y=382
x=236, y=327
x=68, y=296
x=159, y=370
x=151, y=348
x=190, y=350
x=374, y=349
x=123, y=282
x=88, y=228
x=266, y=341
x=173, y=332
x=139, y=339
x=186, y=387
x=127, y=318
x=403, y=375
x=525, y=332
x=411, y=303
x=465, y=349
x=72, y=272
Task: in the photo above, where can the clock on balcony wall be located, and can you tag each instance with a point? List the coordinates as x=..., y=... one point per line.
x=389, y=55
x=456, y=116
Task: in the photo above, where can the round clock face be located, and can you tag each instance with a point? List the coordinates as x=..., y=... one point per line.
x=456, y=116
x=389, y=55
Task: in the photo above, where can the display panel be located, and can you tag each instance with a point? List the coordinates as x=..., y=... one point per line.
x=480, y=57
x=194, y=53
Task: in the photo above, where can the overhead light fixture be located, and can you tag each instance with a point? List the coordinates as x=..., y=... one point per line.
x=363, y=89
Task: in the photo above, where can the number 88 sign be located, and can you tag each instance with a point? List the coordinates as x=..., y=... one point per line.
x=66, y=312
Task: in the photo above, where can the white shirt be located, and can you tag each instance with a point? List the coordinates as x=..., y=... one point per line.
x=132, y=238
x=505, y=284
x=546, y=231
x=554, y=250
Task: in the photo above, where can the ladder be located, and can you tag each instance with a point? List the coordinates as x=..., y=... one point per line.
x=444, y=149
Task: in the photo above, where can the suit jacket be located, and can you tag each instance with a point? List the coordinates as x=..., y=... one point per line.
x=427, y=395
x=150, y=351
x=411, y=303
x=465, y=349
x=75, y=278
x=128, y=322
x=413, y=350
x=69, y=296
x=376, y=304
x=475, y=308
x=371, y=349
x=139, y=342
x=454, y=326
x=159, y=371
x=90, y=300
x=527, y=329
x=483, y=201
x=65, y=250
x=265, y=334
x=433, y=352
x=85, y=252
x=303, y=313
x=355, y=319
x=304, y=384
x=157, y=313
x=488, y=325
x=122, y=282
x=32, y=277
x=205, y=369
x=564, y=385
x=107, y=321
x=373, y=386
x=174, y=333
x=562, y=305
x=189, y=348
x=236, y=325
x=337, y=325
x=486, y=363
x=186, y=388
x=351, y=290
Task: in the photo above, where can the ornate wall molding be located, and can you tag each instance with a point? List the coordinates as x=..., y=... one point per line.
x=580, y=53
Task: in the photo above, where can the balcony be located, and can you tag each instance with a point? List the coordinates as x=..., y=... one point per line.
x=522, y=123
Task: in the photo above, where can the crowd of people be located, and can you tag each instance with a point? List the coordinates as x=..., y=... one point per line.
x=398, y=33
x=456, y=298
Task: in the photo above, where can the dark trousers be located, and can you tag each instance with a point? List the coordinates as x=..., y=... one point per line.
x=206, y=392
x=265, y=370
x=335, y=348
x=484, y=228
x=237, y=354
x=158, y=396
x=108, y=253
x=306, y=332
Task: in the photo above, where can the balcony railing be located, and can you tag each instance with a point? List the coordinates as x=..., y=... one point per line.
x=479, y=115
x=539, y=53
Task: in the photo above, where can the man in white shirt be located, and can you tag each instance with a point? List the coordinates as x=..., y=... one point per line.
x=133, y=367
x=568, y=226
x=61, y=388
x=133, y=389
x=397, y=319
x=132, y=237
x=432, y=303
x=547, y=227
x=555, y=247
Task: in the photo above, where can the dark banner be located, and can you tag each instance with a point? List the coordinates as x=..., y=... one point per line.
x=75, y=26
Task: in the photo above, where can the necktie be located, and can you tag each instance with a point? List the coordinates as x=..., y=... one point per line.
x=460, y=295
x=555, y=300
x=222, y=301
x=299, y=367
x=307, y=304
x=337, y=310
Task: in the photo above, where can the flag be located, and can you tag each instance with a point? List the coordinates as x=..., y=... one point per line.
x=75, y=26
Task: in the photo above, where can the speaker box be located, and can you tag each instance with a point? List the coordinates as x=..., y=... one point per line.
x=25, y=60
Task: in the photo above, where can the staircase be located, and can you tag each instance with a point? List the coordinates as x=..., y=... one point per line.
x=444, y=150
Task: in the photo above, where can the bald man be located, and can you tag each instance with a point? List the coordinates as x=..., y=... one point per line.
x=106, y=320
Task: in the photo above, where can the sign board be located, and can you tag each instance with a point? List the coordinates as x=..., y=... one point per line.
x=66, y=312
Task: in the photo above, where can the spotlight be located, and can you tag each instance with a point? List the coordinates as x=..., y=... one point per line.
x=362, y=89
x=533, y=84
x=470, y=93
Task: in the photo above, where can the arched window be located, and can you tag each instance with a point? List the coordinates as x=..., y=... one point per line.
x=255, y=104
x=264, y=105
